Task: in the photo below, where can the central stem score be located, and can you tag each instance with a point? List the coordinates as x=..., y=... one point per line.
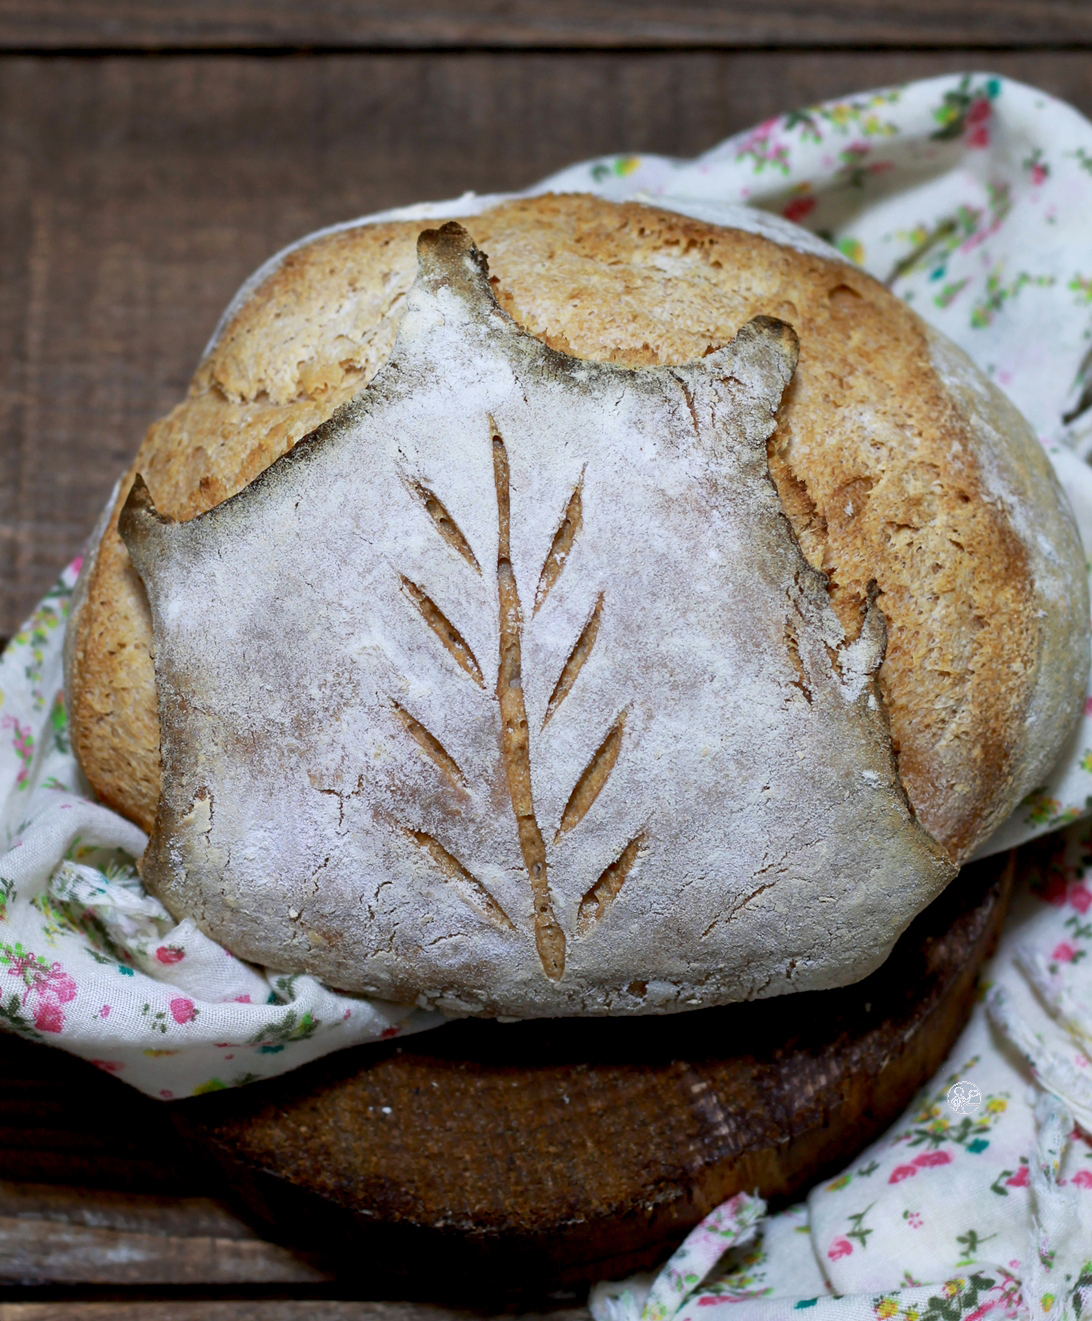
x=515, y=745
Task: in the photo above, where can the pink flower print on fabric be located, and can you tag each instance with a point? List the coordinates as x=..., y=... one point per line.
x=183, y=1011
x=921, y=1162
x=733, y=1224
x=798, y=208
x=1083, y=1179
x=170, y=954
x=1064, y=952
x=48, y=986
x=22, y=745
x=841, y=1247
x=978, y=134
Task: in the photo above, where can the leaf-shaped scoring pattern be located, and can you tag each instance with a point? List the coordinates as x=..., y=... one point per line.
x=566, y=534
x=515, y=741
x=448, y=634
x=577, y=658
x=445, y=524
x=515, y=744
x=471, y=889
x=594, y=779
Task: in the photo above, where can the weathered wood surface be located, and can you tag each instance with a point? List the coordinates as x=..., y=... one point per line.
x=64, y=1122
x=52, y=1236
x=138, y=193
x=212, y=24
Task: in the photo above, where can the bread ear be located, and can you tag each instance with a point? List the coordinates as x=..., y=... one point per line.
x=142, y=527
x=447, y=258
x=761, y=358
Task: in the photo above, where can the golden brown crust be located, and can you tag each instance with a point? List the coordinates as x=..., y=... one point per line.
x=874, y=462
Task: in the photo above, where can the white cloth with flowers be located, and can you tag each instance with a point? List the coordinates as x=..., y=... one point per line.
x=970, y=196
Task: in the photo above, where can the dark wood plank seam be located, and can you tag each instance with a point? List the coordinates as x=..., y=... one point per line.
x=591, y=48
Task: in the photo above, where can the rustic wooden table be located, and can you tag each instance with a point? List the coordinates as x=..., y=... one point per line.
x=152, y=153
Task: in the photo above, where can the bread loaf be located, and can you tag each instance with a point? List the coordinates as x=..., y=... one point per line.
x=908, y=480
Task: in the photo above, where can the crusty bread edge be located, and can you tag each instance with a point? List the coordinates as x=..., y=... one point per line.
x=92, y=549
x=1017, y=473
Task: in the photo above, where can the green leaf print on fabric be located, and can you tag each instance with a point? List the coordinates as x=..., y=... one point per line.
x=619, y=167
x=1037, y=166
x=966, y=108
x=732, y=1223
x=764, y=149
x=1081, y=285
x=155, y=1019
x=11, y=1014
x=58, y=724
x=858, y=1230
x=966, y=228
x=35, y=636
x=844, y=1180
x=998, y=294
x=57, y=920
x=1081, y=1295
x=815, y=123
x=1007, y=1179
x=956, y=1299
x=768, y=147
x=7, y=894
x=1042, y=810
x=291, y=1027
x=971, y=1241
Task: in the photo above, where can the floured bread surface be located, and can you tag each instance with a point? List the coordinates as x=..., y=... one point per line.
x=510, y=691
x=887, y=467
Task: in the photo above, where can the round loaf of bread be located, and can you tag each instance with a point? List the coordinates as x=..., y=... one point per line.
x=906, y=476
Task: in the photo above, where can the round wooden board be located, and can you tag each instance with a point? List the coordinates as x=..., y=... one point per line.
x=518, y=1158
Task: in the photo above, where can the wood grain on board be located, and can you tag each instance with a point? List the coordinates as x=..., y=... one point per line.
x=139, y=192
x=211, y=24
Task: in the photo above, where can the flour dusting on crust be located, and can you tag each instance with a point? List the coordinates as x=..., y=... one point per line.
x=509, y=690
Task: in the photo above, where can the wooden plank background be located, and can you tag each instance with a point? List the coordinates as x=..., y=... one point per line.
x=140, y=190
x=152, y=153
x=331, y=24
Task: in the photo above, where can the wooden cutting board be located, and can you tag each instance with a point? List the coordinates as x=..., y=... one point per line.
x=523, y=1157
